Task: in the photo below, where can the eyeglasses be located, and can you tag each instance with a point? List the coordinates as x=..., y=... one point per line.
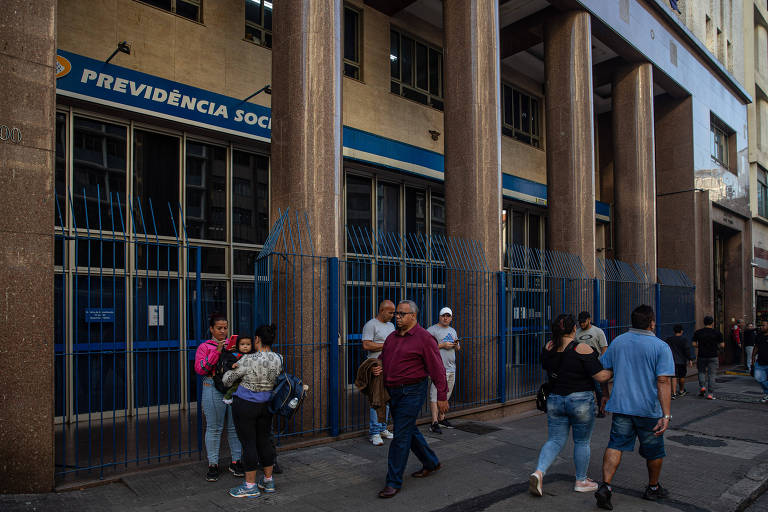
x=402, y=313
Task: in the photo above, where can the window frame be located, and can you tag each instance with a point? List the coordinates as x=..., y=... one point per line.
x=257, y=26
x=719, y=128
x=436, y=101
x=358, y=65
x=762, y=192
x=536, y=139
x=173, y=10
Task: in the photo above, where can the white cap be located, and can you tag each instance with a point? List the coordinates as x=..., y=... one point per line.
x=446, y=310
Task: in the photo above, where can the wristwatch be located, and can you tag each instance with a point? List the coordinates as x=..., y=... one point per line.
x=668, y=417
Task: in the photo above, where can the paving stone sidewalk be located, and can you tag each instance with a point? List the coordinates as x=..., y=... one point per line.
x=717, y=461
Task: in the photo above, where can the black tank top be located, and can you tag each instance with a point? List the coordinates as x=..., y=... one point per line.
x=576, y=370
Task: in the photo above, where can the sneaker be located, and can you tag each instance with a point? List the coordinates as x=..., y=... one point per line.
x=764, y=400
x=386, y=434
x=213, y=473
x=586, y=485
x=534, y=485
x=227, y=401
x=702, y=391
x=242, y=491
x=600, y=414
x=236, y=468
x=655, y=494
x=603, y=497
x=682, y=393
x=445, y=423
x=674, y=396
x=376, y=440
x=276, y=469
x=711, y=397
x=435, y=428
x=265, y=486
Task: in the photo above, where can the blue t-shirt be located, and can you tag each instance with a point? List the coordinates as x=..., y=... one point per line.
x=637, y=357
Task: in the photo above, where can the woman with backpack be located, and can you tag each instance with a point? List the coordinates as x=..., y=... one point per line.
x=216, y=412
x=571, y=366
x=257, y=373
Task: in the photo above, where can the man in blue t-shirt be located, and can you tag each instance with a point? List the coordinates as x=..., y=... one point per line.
x=642, y=365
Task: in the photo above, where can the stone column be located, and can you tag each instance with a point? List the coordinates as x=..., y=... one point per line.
x=306, y=116
x=28, y=104
x=472, y=124
x=570, y=135
x=634, y=170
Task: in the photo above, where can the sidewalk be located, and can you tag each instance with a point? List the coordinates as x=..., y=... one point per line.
x=716, y=460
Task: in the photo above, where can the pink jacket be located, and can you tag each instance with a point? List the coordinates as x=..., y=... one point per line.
x=207, y=356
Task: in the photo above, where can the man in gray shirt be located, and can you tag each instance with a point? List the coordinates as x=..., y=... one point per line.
x=595, y=338
x=448, y=342
x=375, y=332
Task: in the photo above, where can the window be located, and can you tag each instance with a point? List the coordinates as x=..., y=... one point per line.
x=719, y=134
x=61, y=207
x=520, y=116
x=762, y=193
x=250, y=198
x=416, y=70
x=521, y=228
x=258, y=22
x=189, y=9
x=206, y=191
x=156, y=182
x=352, y=43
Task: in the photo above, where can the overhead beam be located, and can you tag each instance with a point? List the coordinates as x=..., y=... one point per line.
x=525, y=33
x=389, y=7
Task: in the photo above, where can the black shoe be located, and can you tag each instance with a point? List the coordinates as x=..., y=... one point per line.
x=236, y=468
x=603, y=497
x=655, y=494
x=276, y=469
x=213, y=473
x=435, y=428
x=445, y=423
x=600, y=414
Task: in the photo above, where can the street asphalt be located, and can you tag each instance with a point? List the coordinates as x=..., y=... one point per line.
x=717, y=460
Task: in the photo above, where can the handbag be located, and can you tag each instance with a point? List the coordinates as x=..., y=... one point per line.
x=545, y=389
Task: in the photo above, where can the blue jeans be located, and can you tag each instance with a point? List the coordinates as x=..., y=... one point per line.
x=406, y=403
x=761, y=376
x=374, y=427
x=216, y=414
x=576, y=410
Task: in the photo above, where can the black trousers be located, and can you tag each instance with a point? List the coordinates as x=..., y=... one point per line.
x=253, y=423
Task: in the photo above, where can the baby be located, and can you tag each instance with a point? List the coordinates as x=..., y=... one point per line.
x=228, y=361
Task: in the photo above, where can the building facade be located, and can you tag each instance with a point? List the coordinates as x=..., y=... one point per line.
x=600, y=128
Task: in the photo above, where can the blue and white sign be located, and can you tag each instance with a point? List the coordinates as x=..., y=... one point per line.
x=99, y=315
x=107, y=84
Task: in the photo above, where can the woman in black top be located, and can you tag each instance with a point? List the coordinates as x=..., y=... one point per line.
x=571, y=366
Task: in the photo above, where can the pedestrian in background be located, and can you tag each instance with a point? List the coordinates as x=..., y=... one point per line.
x=760, y=359
x=448, y=343
x=707, y=341
x=683, y=356
x=572, y=368
x=375, y=332
x=593, y=336
x=749, y=344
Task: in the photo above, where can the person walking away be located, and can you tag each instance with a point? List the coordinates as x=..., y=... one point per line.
x=410, y=355
x=216, y=412
x=257, y=373
x=593, y=336
x=707, y=341
x=737, y=333
x=640, y=401
x=749, y=344
x=375, y=331
x=572, y=368
x=683, y=356
x=760, y=359
x=448, y=343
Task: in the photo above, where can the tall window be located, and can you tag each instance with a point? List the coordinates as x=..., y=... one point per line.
x=190, y=9
x=521, y=116
x=206, y=191
x=523, y=228
x=258, y=22
x=250, y=198
x=352, y=43
x=762, y=193
x=719, y=134
x=156, y=181
x=416, y=70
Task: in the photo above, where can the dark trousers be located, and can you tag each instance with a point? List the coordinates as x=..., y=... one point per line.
x=254, y=428
x=405, y=404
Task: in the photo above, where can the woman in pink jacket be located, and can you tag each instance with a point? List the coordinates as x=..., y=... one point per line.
x=216, y=412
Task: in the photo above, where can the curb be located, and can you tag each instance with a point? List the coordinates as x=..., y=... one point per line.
x=744, y=492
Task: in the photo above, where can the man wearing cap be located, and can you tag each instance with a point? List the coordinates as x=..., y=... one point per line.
x=448, y=343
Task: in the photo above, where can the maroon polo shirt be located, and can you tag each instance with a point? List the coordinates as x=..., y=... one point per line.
x=411, y=357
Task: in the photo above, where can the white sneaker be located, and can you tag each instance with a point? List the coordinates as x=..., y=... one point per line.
x=376, y=440
x=227, y=401
x=764, y=399
x=386, y=434
x=587, y=485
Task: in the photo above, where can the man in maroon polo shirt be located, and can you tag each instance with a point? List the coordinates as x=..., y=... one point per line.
x=409, y=356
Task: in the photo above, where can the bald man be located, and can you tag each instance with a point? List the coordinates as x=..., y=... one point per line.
x=375, y=331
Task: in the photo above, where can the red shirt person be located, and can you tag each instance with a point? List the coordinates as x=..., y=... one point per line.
x=409, y=356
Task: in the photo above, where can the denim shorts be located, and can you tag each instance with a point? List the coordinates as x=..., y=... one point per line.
x=625, y=429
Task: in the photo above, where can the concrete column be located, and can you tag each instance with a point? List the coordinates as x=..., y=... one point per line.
x=570, y=135
x=306, y=116
x=28, y=103
x=634, y=169
x=472, y=124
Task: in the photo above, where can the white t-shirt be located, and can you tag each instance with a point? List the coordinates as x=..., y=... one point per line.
x=594, y=337
x=376, y=331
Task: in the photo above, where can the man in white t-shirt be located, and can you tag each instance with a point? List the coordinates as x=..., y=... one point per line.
x=593, y=336
x=448, y=342
x=375, y=331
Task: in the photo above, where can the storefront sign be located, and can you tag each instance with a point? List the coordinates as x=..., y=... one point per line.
x=99, y=315
x=107, y=84
x=10, y=134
